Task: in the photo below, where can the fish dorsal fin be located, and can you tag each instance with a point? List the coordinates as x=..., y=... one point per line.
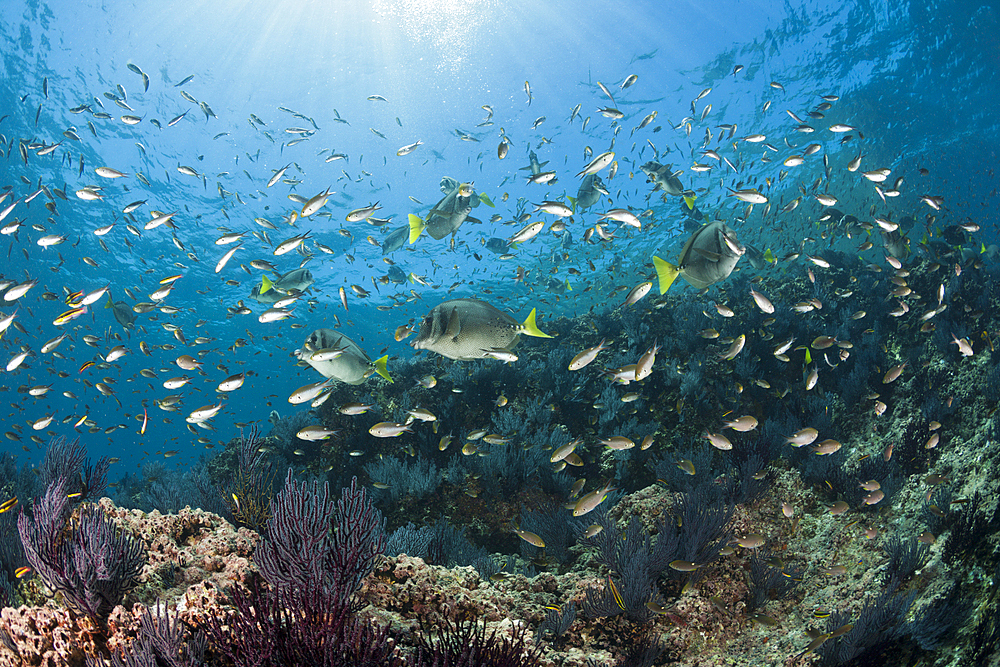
x=683, y=259
x=454, y=325
x=708, y=254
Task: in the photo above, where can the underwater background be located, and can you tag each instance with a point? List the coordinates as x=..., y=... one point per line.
x=726, y=394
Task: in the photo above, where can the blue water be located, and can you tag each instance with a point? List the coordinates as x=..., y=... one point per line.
x=918, y=80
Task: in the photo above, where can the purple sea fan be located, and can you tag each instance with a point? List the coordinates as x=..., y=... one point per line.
x=298, y=549
x=93, y=565
x=358, y=540
x=466, y=644
x=296, y=541
x=298, y=627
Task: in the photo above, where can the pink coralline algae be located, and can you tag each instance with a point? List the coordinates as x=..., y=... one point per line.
x=192, y=555
x=188, y=548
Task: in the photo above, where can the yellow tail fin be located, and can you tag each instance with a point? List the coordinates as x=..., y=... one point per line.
x=572, y=203
x=110, y=303
x=666, y=272
x=569, y=288
x=382, y=367
x=265, y=285
x=531, y=329
x=417, y=226
x=689, y=201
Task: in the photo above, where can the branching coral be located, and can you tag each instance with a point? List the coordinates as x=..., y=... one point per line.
x=466, y=644
x=68, y=460
x=300, y=550
x=92, y=566
x=248, y=497
x=161, y=643
x=307, y=625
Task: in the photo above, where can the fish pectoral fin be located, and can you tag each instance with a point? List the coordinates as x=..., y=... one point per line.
x=665, y=272
x=454, y=326
x=474, y=221
x=529, y=327
x=707, y=254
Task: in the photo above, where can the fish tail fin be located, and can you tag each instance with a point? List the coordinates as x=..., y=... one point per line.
x=485, y=198
x=689, y=200
x=666, y=272
x=417, y=226
x=531, y=329
x=265, y=285
x=569, y=288
x=110, y=303
x=572, y=202
x=382, y=367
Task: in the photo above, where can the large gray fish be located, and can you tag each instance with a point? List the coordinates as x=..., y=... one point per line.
x=395, y=240
x=124, y=314
x=534, y=166
x=498, y=246
x=466, y=329
x=293, y=282
x=694, y=217
x=896, y=244
x=352, y=365
x=557, y=286
x=449, y=213
x=755, y=256
x=663, y=176
x=591, y=189
x=709, y=256
x=397, y=275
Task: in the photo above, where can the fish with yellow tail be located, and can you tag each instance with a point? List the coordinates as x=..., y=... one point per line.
x=590, y=501
x=122, y=312
x=450, y=212
x=352, y=366
x=466, y=329
x=292, y=283
x=708, y=257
